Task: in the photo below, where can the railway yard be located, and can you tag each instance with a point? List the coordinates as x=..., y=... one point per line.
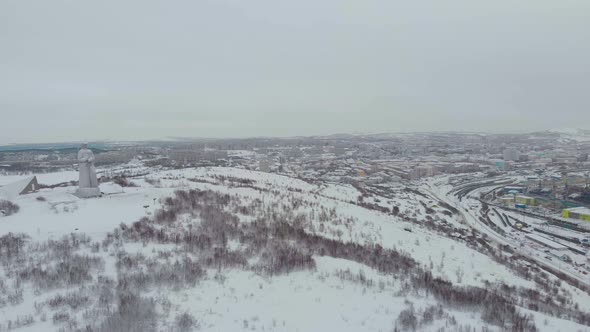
x=557, y=245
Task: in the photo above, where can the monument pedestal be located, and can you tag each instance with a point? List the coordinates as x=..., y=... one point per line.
x=88, y=192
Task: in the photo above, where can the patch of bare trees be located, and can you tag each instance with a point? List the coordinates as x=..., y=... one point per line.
x=8, y=208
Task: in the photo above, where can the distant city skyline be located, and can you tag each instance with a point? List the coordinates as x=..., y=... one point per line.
x=137, y=70
x=99, y=141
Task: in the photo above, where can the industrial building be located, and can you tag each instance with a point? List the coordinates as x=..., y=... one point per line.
x=188, y=157
x=501, y=164
x=526, y=200
x=580, y=213
x=508, y=199
x=513, y=189
x=511, y=154
x=423, y=171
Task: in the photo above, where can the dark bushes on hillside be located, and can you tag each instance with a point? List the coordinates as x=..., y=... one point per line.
x=407, y=319
x=73, y=300
x=134, y=314
x=497, y=310
x=279, y=258
x=185, y=322
x=11, y=246
x=135, y=276
x=70, y=270
x=279, y=238
x=8, y=208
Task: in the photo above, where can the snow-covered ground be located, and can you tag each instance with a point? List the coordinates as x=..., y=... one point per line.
x=43, y=178
x=332, y=296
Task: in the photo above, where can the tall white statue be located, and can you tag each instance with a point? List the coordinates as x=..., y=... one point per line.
x=88, y=183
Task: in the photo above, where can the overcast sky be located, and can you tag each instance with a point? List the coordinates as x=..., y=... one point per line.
x=87, y=70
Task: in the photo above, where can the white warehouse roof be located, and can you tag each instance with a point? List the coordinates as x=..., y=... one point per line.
x=581, y=209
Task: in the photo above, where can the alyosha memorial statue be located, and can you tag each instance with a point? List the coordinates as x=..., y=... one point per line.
x=88, y=183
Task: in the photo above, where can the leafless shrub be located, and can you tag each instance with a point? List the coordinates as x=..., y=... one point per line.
x=154, y=182
x=359, y=277
x=280, y=258
x=182, y=273
x=68, y=271
x=12, y=297
x=506, y=316
x=8, y=208
x=123, y=181
x=407, y=319
x=459, y=273
x=431, y=313
x=106, y=295
x=185, y=322
x=73, y=300
x=165, y=216
x=134, y=314
x=496, y=309
x=11, y=246
x=60, y=317
x=21, y=321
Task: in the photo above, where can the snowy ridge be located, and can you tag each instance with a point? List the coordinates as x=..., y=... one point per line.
x=575, y=134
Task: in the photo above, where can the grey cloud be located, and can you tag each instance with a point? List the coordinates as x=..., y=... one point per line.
x=148, y=69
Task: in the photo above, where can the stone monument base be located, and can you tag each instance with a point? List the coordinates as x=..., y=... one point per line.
x=88, y=192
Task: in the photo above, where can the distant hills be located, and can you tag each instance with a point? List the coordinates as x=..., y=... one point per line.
x=49, y=147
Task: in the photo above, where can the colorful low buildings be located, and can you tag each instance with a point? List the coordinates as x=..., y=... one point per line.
x=580, y=213
x=508, y=199
x=526, y=200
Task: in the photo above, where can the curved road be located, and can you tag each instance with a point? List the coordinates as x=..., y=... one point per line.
x=475, y=223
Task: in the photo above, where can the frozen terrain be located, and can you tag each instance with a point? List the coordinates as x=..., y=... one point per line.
x=225, y=249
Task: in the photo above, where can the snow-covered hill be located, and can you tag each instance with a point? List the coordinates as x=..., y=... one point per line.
x=575, y=134
x=224, y=249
